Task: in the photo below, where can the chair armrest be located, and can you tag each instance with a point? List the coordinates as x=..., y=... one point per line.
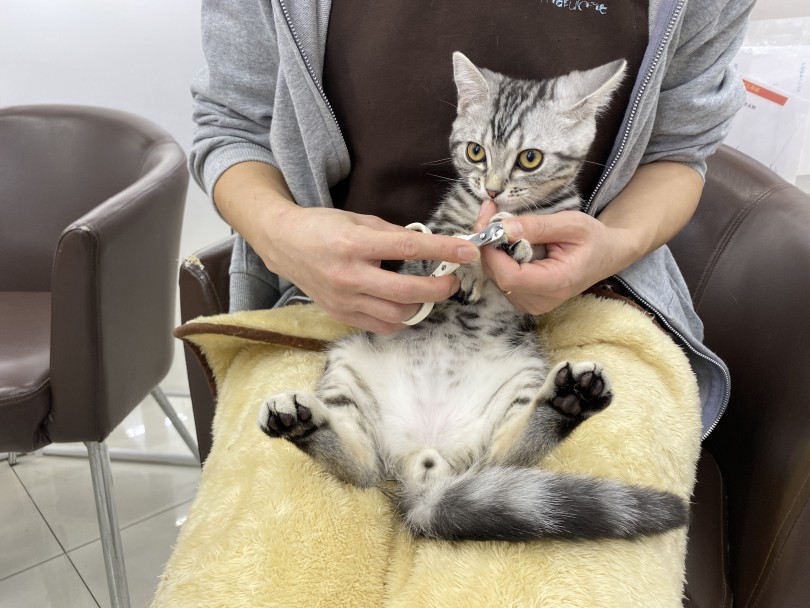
x=746, y=257
x=113, y=300
x=204, y=283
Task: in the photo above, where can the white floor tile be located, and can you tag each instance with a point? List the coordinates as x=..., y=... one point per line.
x=147, y=428
x=152, y=501
x=26, y=539
x=53, y=584
x=147, y=548
x=62, y=489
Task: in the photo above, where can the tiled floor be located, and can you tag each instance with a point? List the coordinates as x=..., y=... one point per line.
x=51, y=553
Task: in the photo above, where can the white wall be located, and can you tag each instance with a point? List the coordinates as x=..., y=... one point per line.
x=134, y=55
x=777, y=9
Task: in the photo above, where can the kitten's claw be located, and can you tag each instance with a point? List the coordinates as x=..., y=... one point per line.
x=580, y=390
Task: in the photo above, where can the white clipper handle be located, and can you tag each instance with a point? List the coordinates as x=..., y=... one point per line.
x=420, y=314
x=443, y=269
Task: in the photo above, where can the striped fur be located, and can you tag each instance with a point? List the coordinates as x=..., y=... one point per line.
x=507, y=116
x=458, y=409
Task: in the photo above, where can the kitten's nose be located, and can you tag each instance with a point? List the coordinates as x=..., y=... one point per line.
x=493, y=193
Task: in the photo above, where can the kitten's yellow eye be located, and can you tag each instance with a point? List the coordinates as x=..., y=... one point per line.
x=476, y=152
x=529, y=160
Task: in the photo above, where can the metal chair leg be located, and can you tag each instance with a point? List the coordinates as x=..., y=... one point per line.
x=164, y=403
x=108, y=524
x=12, y=458
x=140, y=455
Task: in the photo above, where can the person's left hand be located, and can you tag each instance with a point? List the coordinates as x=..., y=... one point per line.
x=581, y=251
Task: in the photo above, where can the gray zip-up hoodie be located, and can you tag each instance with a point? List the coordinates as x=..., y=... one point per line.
x=260, y=99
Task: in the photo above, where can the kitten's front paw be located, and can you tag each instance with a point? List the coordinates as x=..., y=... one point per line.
x=580, y=389
x=291, y=416
x=522, y=250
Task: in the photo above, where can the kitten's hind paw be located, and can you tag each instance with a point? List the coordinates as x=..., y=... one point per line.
x=289, y=416
x=580, y=390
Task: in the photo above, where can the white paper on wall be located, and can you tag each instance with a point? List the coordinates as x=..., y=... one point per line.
x=776, y=54
x=771, y=127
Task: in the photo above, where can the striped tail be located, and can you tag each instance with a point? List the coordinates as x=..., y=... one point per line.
x=523, y=504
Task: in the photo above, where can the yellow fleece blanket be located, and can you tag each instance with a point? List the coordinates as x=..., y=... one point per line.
x=269, y=528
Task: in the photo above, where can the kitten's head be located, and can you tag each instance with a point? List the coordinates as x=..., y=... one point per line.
x=522, y=142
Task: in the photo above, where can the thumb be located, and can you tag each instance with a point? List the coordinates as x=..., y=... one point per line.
x=552, y=228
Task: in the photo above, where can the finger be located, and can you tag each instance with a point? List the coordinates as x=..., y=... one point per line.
x=368, y=312
x=369, y=323
x=412, y=245
x=501, y=268
x=522, y=284
x=388, y=315
x=410, y=289
x=377, y=223
x=564, y=226
x=534, y=278
x=533, y=305
x=488, y=209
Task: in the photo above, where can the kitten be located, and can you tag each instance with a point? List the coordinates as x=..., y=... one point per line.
x=459, y=409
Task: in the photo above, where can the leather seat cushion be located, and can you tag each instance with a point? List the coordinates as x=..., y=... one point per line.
x=707, y=584
x=25, y=394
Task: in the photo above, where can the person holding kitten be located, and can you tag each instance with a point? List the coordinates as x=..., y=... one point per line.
x=323, y=130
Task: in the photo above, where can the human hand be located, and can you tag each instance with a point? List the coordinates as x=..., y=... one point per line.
x=581, y=250
x=334, y=257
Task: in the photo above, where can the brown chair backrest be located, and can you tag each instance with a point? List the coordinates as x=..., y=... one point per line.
x=56, y=164
x=746, y=258
x=92, y=208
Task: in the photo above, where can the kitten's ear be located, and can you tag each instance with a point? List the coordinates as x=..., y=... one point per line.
x=470, y=82
x=591, y=90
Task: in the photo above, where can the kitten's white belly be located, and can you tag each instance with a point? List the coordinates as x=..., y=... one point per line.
x=449, y=411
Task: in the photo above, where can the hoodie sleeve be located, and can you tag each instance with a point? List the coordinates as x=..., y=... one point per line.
x=233, y=94
x=701, y=91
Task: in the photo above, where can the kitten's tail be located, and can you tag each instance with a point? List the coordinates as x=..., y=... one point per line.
x=522, y=504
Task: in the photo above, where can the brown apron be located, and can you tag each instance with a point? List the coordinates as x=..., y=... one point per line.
x=389, y=76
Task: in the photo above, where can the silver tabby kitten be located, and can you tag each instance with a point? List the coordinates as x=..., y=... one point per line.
x=459, y=409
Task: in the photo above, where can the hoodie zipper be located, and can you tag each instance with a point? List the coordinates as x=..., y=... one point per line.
x=316, y=81
x=619, y=153
x=685, y=342
x=637, y=101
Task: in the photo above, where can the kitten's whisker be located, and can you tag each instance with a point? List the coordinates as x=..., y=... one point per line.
x=441, y=161
x=582, y=160
x=445, y=178
x=526, y=200
x=590, y=162
x=575, y=193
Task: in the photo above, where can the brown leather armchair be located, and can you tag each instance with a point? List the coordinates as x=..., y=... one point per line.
x=92, y=205
x=746, y=258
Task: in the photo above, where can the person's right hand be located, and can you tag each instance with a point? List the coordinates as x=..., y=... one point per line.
x=334, y=257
